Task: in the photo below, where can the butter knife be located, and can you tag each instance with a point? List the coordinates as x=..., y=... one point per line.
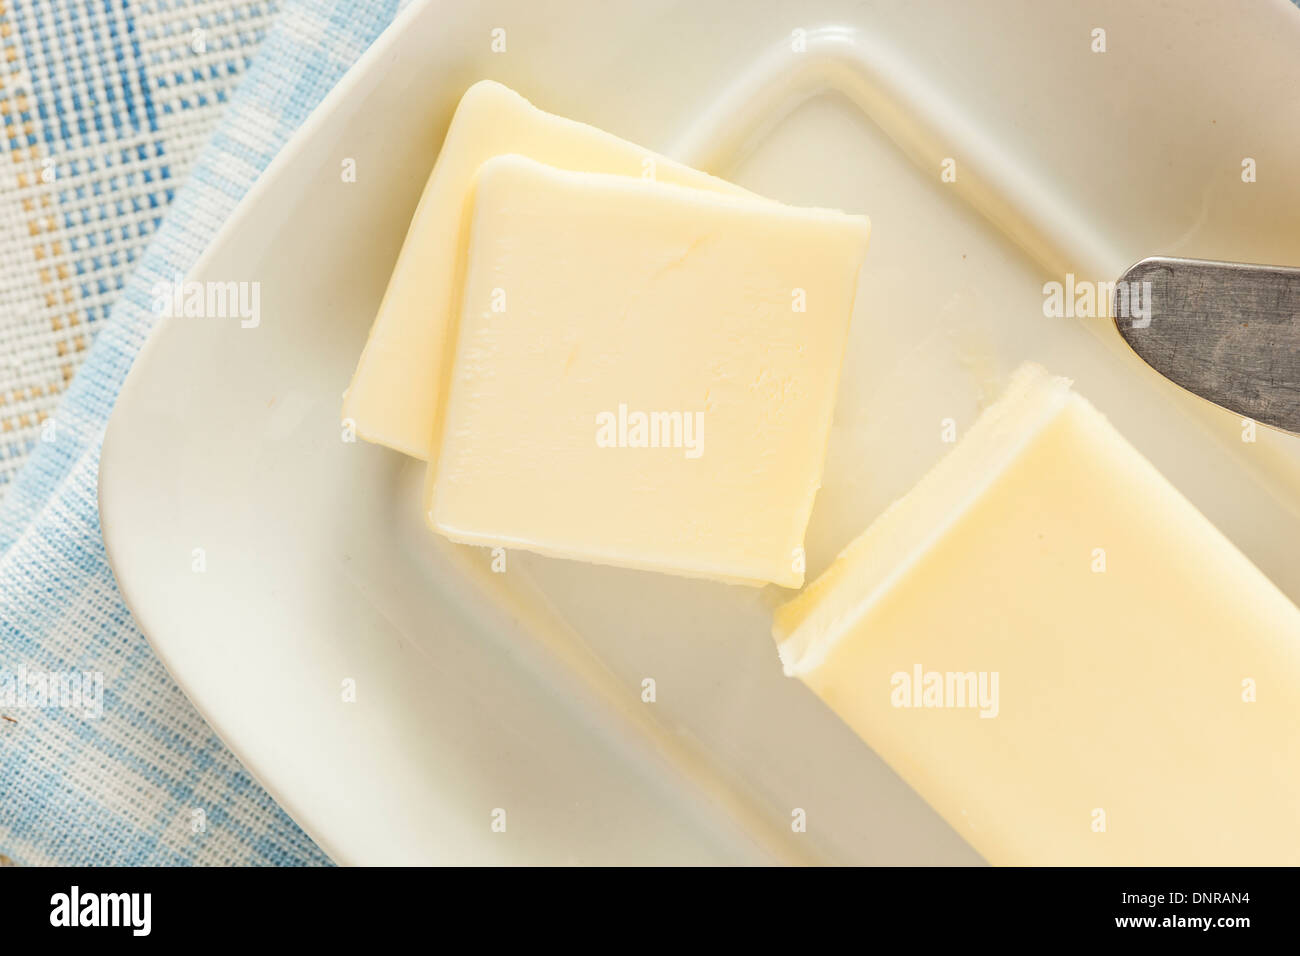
x=1228, y=331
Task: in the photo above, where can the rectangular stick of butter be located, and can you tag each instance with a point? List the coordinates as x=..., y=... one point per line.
x=644, y=374
x=395, y=391
x=1061, y=654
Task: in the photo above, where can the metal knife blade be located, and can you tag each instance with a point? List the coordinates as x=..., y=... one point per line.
x=1228, y=331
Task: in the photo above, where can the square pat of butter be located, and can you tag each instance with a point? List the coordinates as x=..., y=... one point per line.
x=644, y=373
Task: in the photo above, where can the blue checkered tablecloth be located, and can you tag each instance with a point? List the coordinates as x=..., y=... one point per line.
x=131, y=128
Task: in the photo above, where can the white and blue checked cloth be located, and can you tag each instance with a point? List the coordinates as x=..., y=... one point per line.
x=110, y=185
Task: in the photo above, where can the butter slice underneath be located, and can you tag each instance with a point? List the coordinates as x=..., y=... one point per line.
x=1120, y=691
x=659, y=299
x=396, y=389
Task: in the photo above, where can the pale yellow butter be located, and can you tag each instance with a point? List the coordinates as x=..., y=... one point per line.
x=394, y=395
x=1061, y=654
x=644, y=374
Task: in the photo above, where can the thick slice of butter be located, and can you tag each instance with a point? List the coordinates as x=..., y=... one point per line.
x=644, y=374
x=395, y=391
x=1061, y=654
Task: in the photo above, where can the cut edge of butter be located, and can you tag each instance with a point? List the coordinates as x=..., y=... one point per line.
x=808, y=627
x=651, y=563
